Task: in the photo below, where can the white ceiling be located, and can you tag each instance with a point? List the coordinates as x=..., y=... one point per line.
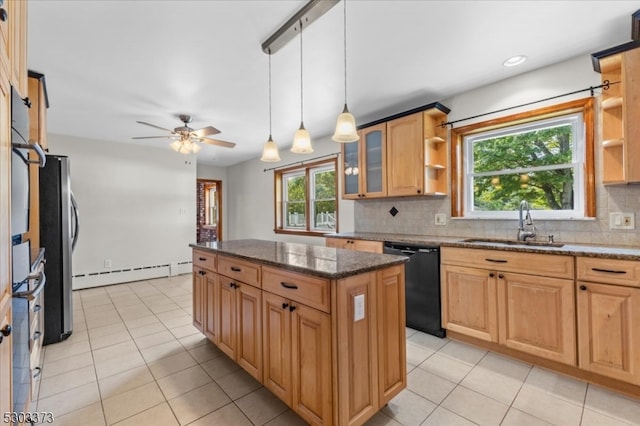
x=110, y=63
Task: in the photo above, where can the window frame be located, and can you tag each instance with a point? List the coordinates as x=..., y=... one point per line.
x=459, y=158
x=280, y=198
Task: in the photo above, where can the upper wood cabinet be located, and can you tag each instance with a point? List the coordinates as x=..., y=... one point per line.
x=405, y=155
x=620, y=107
x=402, y=155
x=17, y=44
x=365, y=164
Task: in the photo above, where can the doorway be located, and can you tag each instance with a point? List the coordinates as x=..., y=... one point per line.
x=209, y=208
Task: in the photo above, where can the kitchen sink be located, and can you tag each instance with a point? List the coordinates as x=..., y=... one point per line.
x=497, y=241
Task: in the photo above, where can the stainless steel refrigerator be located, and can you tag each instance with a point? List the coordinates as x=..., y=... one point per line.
x=58, y=236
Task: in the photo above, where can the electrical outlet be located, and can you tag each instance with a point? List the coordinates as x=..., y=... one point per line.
x=107, y=263
x=622, y=221
x=358, y=307
x=441, y=219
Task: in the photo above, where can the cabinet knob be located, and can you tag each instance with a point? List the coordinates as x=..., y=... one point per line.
x=292, y=308
x=500, y=276
x=3, y=15
x=491, y=274
x=233, y=285
x=6, y=330
x=285, y=305
x=583, y=287
x=419, y=191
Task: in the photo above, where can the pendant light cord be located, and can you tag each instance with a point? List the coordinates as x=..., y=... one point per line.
x=301, y=92
x=269, y=93
x=345, y=51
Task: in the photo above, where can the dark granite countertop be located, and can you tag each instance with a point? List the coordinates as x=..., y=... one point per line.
x=325, y=262
x=571, y=249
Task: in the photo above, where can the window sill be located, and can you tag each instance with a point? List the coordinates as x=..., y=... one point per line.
x=208, y=226
x=304, y=233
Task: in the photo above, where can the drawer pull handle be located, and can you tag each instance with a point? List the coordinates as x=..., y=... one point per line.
x=285, y=305
x=235, y=269
x=202, y=259
x=37, y=373
x=496, y=260
x=287, y=285
x=36, y=335
x=36, y=308
x=609, y=271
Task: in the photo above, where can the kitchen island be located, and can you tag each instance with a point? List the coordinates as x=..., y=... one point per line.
x=322, y=328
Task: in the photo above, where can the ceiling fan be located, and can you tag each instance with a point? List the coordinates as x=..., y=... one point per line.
x=185, y=138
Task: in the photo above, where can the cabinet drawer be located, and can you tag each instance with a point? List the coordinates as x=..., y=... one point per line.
x=310, y=291
x=204, y=260
x=240, y=270
x=610, y=271
x=549, y=265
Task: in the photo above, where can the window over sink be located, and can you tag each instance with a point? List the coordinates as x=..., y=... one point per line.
x=543, y=156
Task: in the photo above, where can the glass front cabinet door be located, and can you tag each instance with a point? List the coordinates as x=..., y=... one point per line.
x=364, y=164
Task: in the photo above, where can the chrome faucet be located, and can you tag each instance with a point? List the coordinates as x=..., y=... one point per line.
x=522, y=234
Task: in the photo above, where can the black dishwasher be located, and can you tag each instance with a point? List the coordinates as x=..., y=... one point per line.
x=422, y=286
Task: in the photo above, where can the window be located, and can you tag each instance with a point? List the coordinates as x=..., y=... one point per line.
x=211, y=204
x=544, y=157
x=306, y=199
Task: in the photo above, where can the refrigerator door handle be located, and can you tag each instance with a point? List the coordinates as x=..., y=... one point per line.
x=76, y=227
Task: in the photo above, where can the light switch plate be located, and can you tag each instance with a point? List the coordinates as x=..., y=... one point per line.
x=620, y=220
x=441, y=219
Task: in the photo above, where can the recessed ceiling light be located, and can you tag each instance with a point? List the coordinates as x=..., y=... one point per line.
x=514, y=60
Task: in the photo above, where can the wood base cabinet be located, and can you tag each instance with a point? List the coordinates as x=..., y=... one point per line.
x=533, y=311
x=350, y=244
x=609, y=318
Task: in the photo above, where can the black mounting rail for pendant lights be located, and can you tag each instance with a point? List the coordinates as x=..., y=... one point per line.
x=311, y=11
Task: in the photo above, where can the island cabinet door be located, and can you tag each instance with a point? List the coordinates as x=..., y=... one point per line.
x=276, y=323
x=226, y=327
x=198, y=280
x=469, y=301
x=311, y=364
x=249, y=326
x=392, y=357
x=609, y=330
x=209, y=305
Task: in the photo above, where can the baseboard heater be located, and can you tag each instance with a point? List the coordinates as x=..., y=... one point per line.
x=117, y=276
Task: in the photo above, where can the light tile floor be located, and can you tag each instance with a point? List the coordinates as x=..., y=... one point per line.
x=135, y=359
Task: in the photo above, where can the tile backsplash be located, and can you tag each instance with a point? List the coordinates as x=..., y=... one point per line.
x=417, y=216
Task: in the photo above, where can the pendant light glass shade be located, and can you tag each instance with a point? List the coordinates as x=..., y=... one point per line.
x=270, y=151
x=346, y=124
x=345, y=128
x=302, y=141
x=302, y=138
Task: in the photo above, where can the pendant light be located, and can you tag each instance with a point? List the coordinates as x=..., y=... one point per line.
x=346, y=124
x=302, y=139
x=270, y=150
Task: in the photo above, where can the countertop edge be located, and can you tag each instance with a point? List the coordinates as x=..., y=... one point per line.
x=302, y=270
x=569, y=249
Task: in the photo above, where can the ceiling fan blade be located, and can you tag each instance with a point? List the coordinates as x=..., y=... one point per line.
x=153, y=125
x=217, y=142
x=152, y=137
x=205, y=131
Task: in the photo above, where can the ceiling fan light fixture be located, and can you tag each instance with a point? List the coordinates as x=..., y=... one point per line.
x=176, y=145
x=302, y=141
x=195, y=148
x=345, y=128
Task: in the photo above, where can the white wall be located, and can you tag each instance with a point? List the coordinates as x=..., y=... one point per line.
x=137, y=208
x=251, y=196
